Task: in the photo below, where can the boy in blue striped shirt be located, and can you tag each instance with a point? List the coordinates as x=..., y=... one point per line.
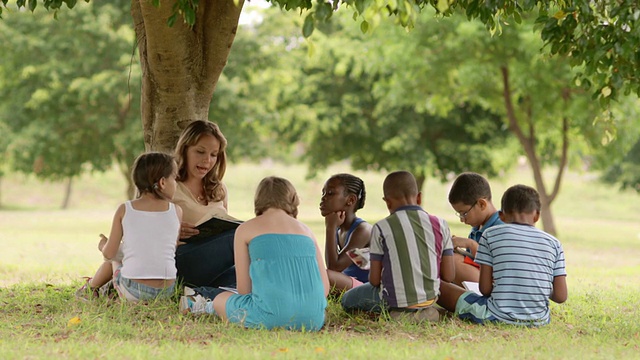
x=521, y=268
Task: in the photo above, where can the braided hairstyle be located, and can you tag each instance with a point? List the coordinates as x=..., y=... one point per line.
x=353, y=185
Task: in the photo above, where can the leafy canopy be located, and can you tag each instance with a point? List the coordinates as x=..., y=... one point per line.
x=601, y=35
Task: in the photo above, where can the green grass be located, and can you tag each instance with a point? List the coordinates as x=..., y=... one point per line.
x=45, y=251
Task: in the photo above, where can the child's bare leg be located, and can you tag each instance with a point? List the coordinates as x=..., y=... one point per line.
x=338, y=281
x=102, y=276
x=449, y=295
x=220, y=304
x=464, y=272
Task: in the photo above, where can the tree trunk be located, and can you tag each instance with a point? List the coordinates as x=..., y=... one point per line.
x=180, y=65
x=528, y=142
x=67, y=194
x=420, y=178
x=131, y=187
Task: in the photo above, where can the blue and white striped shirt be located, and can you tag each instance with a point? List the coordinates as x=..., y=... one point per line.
x=525, y=260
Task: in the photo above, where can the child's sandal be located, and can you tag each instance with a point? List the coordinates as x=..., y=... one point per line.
x=86, y=292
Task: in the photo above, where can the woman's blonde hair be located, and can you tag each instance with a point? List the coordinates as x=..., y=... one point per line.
x=212, y=182
x=276, y=192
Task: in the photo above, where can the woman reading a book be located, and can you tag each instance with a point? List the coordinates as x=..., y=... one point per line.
x=206, y=260
x=201, y=259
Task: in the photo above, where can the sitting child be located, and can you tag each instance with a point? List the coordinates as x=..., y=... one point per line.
x=282, y=281
x=146, y=231
x=410, y=252
x=342, y=196
x=470, y=197
x=521, y=268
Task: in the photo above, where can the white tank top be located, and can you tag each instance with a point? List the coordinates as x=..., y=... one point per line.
x=149, y=243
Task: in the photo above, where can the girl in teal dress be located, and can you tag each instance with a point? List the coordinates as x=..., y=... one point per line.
x=282, y=280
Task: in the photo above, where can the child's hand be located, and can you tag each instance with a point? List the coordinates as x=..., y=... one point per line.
x=188, y=230
x=102, y=242
x=334, y=219
x=460, y=241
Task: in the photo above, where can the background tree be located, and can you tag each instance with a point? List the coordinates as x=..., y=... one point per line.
x=348, y=117
x=425, y=100
x=70, y=96
x=181, y=64
x=534, y=94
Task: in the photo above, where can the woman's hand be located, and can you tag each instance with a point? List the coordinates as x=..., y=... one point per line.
x=188, y=230
x=334, y=219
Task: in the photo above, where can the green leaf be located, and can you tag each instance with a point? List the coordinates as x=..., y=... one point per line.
x=517, y=17
x=172, y=19
x=33, y=4
x=364, y=26
x=308, y=26
x=323, y=11
x=189, y=16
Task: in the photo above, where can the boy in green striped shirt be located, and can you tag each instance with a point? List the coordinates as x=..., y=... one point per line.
x=411, y=251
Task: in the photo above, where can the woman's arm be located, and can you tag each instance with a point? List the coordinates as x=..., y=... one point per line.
x=242, y=260
x=110, y=249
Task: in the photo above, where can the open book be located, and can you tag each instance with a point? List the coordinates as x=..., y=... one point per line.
x=212, y=227
x=472, y=286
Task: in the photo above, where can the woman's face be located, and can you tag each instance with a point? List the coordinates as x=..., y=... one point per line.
x=202, y=156
x=333, y=197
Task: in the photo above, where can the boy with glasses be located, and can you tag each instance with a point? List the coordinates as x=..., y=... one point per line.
x=521, y=268
x=470, y=197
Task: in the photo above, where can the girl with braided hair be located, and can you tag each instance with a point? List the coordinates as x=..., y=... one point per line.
x=343, y=195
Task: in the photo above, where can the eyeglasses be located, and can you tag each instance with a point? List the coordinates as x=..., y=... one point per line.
x=464, y=214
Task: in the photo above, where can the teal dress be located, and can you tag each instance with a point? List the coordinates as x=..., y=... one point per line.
x=287, y=290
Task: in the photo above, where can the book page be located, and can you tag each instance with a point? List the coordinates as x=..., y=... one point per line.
x=472, y=286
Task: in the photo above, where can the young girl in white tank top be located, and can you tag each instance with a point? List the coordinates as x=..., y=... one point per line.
x=146, y=231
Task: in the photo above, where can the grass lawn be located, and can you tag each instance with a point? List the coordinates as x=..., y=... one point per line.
x=45, y=251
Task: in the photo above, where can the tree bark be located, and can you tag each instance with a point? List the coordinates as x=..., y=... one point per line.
x=528, y=142
x=420, y=178
x=67, y=194
x=124, y=168
x=180, y=65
